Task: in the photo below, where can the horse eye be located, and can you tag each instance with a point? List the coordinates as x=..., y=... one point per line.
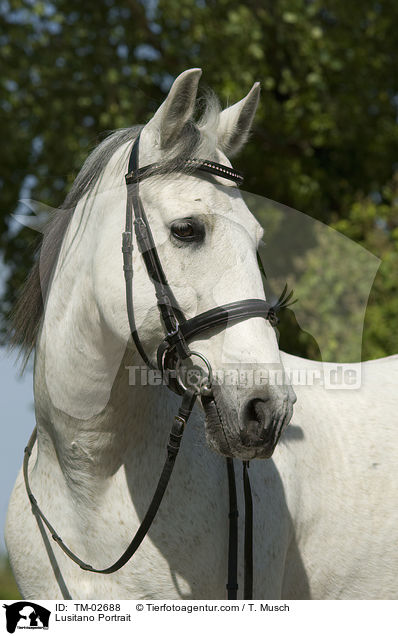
x=186, y=230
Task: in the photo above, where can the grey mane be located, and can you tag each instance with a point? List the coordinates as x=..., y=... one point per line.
x=28, y=311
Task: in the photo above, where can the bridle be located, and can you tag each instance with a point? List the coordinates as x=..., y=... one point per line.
x=172, y=351
x=179, y=330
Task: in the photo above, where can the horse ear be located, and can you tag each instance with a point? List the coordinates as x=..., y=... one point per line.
x=235, y=122
x=177, y=109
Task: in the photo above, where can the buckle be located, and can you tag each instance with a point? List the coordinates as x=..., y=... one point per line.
x=175, y=338
x=175, y=332
x=141, y=228
x=131, y=177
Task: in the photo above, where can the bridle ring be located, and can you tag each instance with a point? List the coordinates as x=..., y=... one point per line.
x=205, y=383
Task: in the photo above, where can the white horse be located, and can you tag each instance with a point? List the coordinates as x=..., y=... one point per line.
x=325, y=513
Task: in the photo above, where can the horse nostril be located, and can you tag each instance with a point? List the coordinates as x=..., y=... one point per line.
x=254, y=409
x=257, y=420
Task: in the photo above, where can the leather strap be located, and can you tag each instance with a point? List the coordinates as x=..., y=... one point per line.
x=220, y=317
x=136, y=218
x=136, y=174
x=248, y=550
x=232, y=584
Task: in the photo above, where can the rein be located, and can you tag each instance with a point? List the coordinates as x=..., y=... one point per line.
x=173, y=447
x=171, y=352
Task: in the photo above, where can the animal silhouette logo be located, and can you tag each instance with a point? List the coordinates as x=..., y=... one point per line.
x=26, y=615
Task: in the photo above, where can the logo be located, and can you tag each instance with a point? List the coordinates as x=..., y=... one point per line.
x=25, y=615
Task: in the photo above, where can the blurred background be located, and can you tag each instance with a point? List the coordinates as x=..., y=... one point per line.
x=325, y=138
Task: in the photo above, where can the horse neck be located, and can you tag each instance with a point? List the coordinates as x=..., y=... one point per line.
x=90, y=450
x=89, y=418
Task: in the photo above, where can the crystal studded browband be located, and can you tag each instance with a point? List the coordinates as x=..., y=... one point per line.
x=198, y=164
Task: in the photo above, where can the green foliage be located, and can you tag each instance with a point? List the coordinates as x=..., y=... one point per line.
x=325, y=138
x=8, y=588
x=374, y=224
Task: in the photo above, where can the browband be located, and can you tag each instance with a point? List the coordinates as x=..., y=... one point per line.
x=138, y=174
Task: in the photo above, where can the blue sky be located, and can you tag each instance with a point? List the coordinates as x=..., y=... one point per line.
x=17, y=419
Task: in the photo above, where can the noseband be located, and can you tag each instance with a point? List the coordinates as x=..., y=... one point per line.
x=171, y=353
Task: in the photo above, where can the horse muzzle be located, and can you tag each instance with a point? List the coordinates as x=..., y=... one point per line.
x=247, y=425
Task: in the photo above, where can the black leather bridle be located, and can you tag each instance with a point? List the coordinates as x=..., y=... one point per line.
x=179, y=330
x=174, y=349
